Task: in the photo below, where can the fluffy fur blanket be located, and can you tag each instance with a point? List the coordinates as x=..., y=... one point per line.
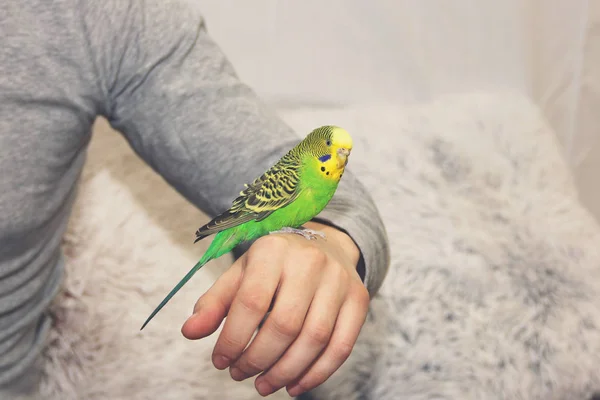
x=493, y=293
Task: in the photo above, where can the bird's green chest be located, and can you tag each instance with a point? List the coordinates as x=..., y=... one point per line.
x=316, y=190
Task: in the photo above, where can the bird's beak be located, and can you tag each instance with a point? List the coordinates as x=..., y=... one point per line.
x=343, y=152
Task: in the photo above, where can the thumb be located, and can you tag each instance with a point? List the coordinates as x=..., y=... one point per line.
x=212, y=307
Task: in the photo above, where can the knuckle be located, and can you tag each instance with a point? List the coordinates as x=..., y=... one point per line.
x=305, y=387
x=255, y=301
x=314, y=255
x=286, y=324
x=319, y=333
x=362, y=296
x=252, y=366
x=342, y=276
x=268, y=243
x=264, y=247
x=342, y=351
x=313, y=379
x=229, y=344
x=281, y=374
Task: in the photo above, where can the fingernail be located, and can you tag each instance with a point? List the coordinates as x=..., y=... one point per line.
x=263, y=388
x=294, y=390
x=221, y=362
x=237, y=374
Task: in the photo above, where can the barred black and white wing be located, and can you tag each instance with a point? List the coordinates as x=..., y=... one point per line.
x=273, y=190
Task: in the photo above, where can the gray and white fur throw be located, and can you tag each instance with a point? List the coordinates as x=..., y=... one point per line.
x=494, y=287
x=493, y=292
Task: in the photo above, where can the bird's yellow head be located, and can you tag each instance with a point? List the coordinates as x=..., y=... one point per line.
x=341, y=145
x=331, y=146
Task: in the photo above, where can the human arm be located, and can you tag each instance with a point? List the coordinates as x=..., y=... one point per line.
x=175, y=97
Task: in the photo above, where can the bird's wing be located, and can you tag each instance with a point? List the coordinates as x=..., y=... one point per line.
x=273, y=190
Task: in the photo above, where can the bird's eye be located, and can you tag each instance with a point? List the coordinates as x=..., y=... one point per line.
x=328, y=143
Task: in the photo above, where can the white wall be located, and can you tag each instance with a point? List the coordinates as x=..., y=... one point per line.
x=565, y=68
x=359, y=51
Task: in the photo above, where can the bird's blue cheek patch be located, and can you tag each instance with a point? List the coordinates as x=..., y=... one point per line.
x=325, y=158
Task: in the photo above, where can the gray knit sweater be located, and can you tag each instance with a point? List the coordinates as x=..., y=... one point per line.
x=151, y=69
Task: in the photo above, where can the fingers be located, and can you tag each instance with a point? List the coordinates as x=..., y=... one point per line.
x=262, y=272
x=317, y=315
x=350, y=320
x=212, y=306
x=314, y=336
x=286, y=319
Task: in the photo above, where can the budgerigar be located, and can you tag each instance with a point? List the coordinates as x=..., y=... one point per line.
x=289, y=194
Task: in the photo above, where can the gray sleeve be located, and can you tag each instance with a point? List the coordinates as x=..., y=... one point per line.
x=176, y=98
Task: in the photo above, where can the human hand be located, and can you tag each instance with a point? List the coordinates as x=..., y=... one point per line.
x=319, y=305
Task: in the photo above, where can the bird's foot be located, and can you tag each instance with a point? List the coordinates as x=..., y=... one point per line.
x=308, y=234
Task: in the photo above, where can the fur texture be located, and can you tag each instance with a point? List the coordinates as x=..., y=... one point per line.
x=493, y=292
x=494, y=288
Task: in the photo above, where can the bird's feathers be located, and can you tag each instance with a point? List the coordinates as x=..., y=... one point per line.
x=279, y=187
x=272, y=191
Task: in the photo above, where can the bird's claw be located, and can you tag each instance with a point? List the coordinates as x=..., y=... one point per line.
x=308, y=234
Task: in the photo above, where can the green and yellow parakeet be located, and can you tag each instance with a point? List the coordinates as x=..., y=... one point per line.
x=289, y=194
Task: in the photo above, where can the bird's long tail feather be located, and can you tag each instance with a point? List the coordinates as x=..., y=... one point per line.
x=222, y=244
x=182, y=282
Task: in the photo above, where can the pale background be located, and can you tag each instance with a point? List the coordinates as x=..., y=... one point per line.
x=410, y=74
x=411, y=51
